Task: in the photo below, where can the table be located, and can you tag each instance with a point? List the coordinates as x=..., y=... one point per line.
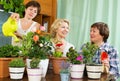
x=53, y=77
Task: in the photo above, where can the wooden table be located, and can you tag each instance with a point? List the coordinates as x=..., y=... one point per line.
x=52, y=77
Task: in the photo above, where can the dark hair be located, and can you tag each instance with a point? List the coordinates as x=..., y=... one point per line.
x=103, y=29
x=34, y=4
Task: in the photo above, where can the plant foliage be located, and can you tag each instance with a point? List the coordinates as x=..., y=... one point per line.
x=34, y=62
x=13, y=6
x=9, y=51
x=74, y=57
x=89, y=51
x=36, y=45
x=17, y=62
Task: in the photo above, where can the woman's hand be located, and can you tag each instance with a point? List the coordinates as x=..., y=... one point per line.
x=106, y=62
x=15, y=16
x=106, y=65
x=18, y=35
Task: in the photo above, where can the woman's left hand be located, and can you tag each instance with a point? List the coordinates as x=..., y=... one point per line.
x=106, y=62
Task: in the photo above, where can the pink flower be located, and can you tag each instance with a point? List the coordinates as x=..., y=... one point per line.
x=79, y=58
x=42, y=28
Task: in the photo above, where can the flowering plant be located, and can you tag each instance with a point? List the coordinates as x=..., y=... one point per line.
x=74, y=57
x=88, y=51
x=36, y=44
x=105, y=58
x=58, y=52
x=65, y=67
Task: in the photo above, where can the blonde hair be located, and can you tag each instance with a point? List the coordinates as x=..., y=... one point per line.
x=56, y=24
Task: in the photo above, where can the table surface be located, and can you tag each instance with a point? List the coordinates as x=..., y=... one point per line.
x=53, y=77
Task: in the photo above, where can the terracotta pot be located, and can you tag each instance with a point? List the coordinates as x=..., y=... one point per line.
x=4, y=69
x=56, y=63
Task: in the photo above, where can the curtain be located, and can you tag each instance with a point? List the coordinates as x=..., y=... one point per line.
x=83, y=13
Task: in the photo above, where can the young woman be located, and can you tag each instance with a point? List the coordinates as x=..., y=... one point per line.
x=26, y=24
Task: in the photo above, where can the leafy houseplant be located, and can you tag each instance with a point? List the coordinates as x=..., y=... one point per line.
x=35, y=71
x=34, y=63
x=76, y=60
x=17, y=62
x=9, y=51
x=92, y=68
x=13, y=6
x=88, y=52
x=16, y=68
x=74, y=57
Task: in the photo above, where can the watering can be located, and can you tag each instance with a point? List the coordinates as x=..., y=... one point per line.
x=9, y=28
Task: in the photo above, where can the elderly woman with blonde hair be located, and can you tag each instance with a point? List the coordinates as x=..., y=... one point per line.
x=59, y=31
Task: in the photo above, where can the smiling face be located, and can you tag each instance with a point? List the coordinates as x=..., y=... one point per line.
x=95, y=36
x=31, y=12
x=62, y=30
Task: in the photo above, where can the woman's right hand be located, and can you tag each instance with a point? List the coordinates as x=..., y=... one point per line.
x=15, y=16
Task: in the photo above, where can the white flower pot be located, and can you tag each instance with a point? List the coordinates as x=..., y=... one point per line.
x=77, y=70
x=34, y=74
x=94, y=71
x=43, y=65
x=16, y=73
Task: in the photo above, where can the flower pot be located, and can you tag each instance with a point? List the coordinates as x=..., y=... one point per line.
x=94, y=71
x=4, y=69
x=16, y=73
x=34, y=74
x=56, y=63
x=65, y=76
x=77, y=70
x=43, y=64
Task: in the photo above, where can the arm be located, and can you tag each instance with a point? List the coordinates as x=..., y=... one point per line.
x=114, y=63
x=37, y=26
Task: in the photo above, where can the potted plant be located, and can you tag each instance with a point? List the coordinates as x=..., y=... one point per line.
x=7, y=53
x=16, y=68
x=93, y=70
x=37, y=44
x=9, y=50
x=57, y=58
x=76, y=60
x=13, y=6
x=34, y=71
x=65, y=71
